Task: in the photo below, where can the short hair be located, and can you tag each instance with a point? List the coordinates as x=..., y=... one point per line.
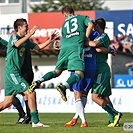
x=67, y=9
x=101, y=22
x=19, y=22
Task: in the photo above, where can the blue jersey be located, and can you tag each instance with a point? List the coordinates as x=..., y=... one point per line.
x=90, y=55
x=90, y=68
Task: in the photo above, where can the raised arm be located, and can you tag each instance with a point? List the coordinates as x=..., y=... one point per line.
x=46, y=43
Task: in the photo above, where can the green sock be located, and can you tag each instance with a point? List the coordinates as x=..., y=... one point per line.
x=111, y=117
x=73, y=79
x=49, y=76
x=113, y=110
x=110, y=113
x=34, y=116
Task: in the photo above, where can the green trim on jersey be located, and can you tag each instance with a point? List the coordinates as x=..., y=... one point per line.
x=101, y=59
x=74, y=30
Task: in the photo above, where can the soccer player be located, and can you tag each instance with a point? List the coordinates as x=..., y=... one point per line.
x=14, y=82
x=82, y=87
x=75, y=29
x=27, y=73
x=101, y=89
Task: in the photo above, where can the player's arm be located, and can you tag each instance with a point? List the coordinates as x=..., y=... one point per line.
x=106, y=50
x=46, y=43
x=129, y=64
x=103, y=50
x=25, y=38
x=94, y=43
x=89, y=29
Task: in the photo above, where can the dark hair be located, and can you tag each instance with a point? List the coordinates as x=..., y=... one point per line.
x=36, y=67
x=19, y=22
x=67, y=9
x=101, y=22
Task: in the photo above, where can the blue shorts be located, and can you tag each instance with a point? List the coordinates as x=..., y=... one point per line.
x=86, y=83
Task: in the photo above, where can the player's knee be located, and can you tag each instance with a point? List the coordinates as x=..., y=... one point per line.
x=80, y=73
x=57, y=73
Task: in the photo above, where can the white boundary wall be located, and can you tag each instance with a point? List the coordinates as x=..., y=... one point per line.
x=49, y=101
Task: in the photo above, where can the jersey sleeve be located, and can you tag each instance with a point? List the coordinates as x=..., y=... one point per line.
x=103, y=40
x=87, y=20
x=13, y=39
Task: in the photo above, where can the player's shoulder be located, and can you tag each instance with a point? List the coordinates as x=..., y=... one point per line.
x=82, y=16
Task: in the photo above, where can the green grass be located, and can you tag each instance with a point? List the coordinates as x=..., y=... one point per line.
x=97, y=123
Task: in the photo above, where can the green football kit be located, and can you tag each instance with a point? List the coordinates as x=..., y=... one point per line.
x=72, y=43
x=102, y=81
x=14, y=82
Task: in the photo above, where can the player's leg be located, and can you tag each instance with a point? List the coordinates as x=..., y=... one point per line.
x=78, y=88
x=32, y=104
x=22, y=87
x=70, y=81
x=28, y=116
x=29, y=78
x=102, y=88
x=6, y=103
x=73, y=62
x=80, y=108
x=9, y=91
x=79, y=111
x=21, y=112
x=33, y=109
x=47, y=76
x=85, y=85
x=116, y=112
x=76, y=116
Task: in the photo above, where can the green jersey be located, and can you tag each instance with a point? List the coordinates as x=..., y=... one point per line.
x=101, y=59
x=3, y=43
x=16, y=55
x=74, y=30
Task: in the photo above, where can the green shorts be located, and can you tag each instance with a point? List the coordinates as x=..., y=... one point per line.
x=102, y=84
x=70, y=58
x=14, y=84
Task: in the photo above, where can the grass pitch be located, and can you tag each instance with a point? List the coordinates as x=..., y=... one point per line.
x=97, y=123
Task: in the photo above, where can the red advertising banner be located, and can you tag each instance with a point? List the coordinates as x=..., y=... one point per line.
x=49, y=22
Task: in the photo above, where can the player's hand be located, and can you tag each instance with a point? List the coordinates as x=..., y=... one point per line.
x=35, y=27
x=113, y=51
x=54, y=36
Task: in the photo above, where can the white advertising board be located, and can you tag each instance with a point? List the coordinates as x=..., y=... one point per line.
x=8, y=20
x=49, y=101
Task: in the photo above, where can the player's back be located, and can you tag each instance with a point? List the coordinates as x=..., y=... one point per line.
x=74, y=30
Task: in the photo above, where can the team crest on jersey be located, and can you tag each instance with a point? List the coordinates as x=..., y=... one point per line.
x=21, y=51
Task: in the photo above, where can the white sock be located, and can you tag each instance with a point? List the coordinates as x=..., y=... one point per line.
x=84, y=100
x=67, y=85
x=75, y=116
x=80, y=110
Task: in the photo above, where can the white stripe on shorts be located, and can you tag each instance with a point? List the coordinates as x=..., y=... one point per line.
x=14, y=78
